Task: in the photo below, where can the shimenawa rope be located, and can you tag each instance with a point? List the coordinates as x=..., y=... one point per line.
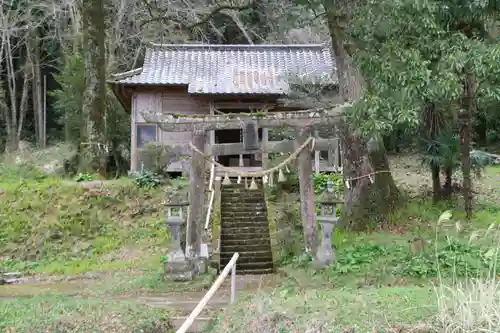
x=257, y=173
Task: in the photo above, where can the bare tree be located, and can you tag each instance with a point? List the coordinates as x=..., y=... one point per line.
x=13, y=51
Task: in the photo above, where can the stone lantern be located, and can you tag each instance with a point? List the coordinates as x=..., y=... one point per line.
x=328, y=219
x=177, y=268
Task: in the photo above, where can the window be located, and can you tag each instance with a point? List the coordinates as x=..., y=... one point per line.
x=146, y=133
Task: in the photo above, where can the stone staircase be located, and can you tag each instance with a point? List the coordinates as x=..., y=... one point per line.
x=245, y=229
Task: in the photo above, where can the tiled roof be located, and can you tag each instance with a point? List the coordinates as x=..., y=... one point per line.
x=230, y=69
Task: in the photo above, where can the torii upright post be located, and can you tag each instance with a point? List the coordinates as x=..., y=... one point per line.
x=307, y=205
x=194, y=227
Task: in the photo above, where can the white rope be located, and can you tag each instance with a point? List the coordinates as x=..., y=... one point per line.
x=258, y=173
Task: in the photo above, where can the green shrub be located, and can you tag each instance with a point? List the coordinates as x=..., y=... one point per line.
x=285, y=218
x=147, y=179
x=83, y=177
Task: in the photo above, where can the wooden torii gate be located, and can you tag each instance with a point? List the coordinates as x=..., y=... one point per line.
x=303, y=121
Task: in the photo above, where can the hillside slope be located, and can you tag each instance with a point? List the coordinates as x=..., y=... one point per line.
x=48, y=221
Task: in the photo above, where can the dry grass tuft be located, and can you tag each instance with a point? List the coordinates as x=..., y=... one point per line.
x=470, y=306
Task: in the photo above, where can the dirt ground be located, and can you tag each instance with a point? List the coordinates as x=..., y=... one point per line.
x=408, y=171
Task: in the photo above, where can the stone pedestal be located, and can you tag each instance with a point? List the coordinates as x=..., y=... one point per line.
x=325, y=254
x=200, y=266
x=177, y=267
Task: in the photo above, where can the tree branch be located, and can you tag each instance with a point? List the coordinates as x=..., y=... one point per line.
x=206, y=18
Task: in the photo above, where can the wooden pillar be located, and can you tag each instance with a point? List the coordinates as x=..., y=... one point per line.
x=307, y=206
x=133, y=135
x=194, y=227
x=265, y=139
x=212, y=132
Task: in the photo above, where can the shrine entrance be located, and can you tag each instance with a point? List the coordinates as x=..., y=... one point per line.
x=244, y=160
x=232, y=137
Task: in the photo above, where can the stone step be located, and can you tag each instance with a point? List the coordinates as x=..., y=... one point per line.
x=243, y=206
x=244, y=242
x=258, y=271
x=249, y=196
x=236, y=197
x=225, y=248
x=246, y=266
x=253, y=229
x=241, y=185
x=242, y=190
x=237, y=211
x=247, y=259
x=234, y=185
x=241, y=236
x=243, y=217
x=237, y=224
x=245, y=193
x=232, y=223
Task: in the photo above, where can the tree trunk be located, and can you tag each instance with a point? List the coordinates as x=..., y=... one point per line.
x=430, y=128
x=23, y=105
x=37, y=88
x=11, y=119
x=364, y=200
x=447, y=187
x=436, y=183
x=94, y=99
x=18, y=109
x=465, y=129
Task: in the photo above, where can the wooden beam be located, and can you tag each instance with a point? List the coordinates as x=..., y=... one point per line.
x=284, y=146
x=184, y=123
x=265, y=143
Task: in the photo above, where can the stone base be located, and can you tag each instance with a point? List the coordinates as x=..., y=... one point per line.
x=325, y=255
x=201, y=266
x=177, y=268
x=180, y=276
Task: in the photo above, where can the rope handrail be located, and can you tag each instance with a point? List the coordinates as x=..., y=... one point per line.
x=231, y=266
x=257, y=173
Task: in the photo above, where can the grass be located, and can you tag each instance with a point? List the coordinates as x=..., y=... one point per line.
x=112, y=231
x=468, y=306
x=378, y=285
x=56, y=313
x=326, y=310
x=52, y=225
